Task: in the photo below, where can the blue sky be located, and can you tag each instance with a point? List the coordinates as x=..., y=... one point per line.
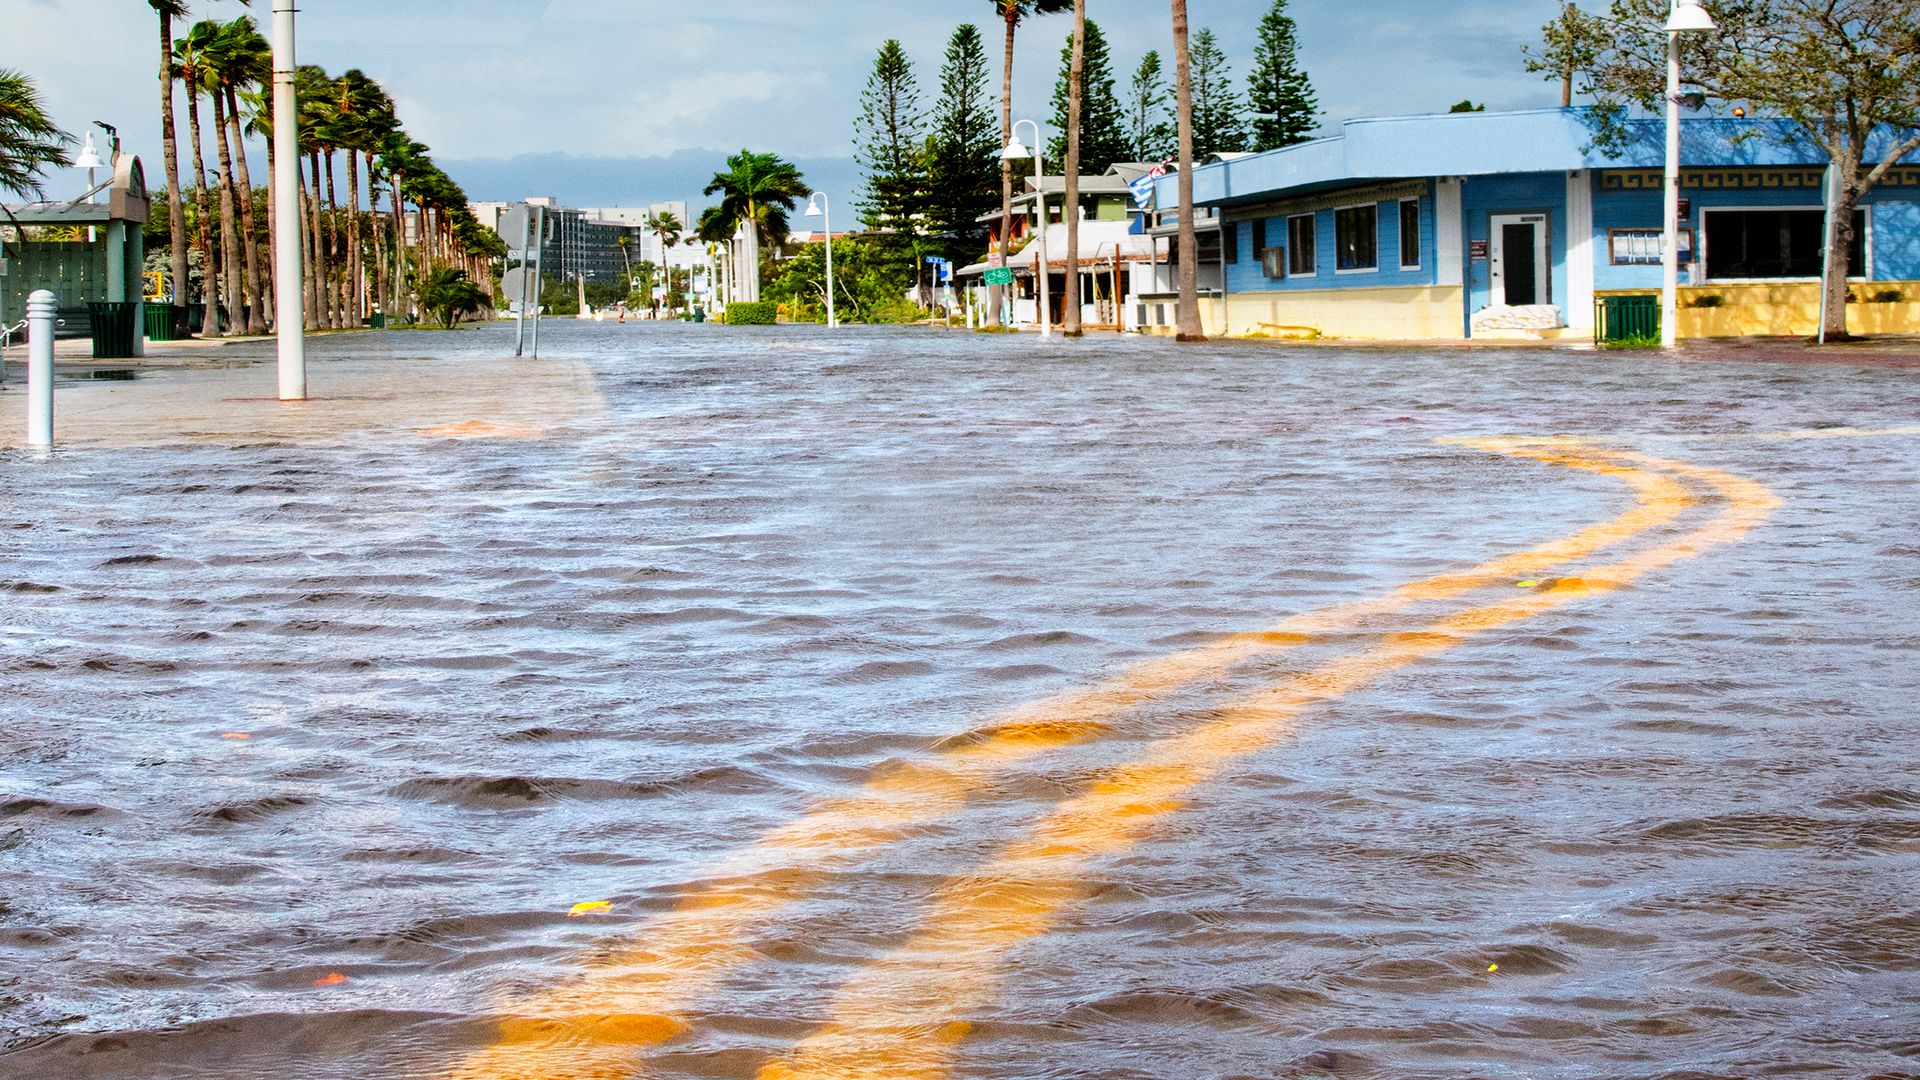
x=618, y=102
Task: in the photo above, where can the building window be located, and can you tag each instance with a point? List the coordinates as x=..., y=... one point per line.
x=1643, y=247
x=1230, y=243
x=1300, y=256
x=1410, y=234
x=1356, y=238
x=1749, y=244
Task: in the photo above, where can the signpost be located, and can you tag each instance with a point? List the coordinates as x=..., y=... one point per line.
x=519, y=223
x=999, y=275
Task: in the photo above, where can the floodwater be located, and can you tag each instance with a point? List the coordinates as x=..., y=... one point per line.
x=877, y=696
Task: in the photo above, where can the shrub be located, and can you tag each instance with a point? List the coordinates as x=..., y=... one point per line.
x=1889, y=296
x=448, y=295
x=764, y=313
x=1711, y=300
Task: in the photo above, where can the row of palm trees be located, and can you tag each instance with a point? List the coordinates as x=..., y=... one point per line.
x=1013, y=13
x=356, y=258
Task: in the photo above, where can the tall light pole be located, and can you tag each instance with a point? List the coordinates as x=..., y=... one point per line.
x=819, y=206
x=1014, y=152
x=288, y=312
x=1686, y=17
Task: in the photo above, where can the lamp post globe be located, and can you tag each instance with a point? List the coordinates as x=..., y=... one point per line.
x=818, y=205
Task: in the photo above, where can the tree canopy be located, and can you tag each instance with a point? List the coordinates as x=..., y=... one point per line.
x=1279, y=94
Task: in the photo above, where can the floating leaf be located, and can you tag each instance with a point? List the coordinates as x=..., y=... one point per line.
x=1493, y=967
x=589, y=907
x=1527, y=584
x=331, y=978
x=238, y=735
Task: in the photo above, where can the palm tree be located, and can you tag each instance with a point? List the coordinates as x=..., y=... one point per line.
x=1011, y=12
x=365, y=112
x=189, y=55
x=1187, y=309
x=169, y=10
x=29, y=140
x=244, y=59
x=1070, y=205
x=667, y=228
x=757, y=192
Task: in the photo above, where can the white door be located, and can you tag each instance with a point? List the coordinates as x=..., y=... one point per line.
x=1519, y=260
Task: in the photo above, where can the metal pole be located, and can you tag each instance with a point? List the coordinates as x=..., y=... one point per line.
x=1670, y=240
x=40, y=368
x=1826, y=255
x=1043, y=268
x=289, y=315
x=826, y=210
x=539, y=254
x=520, y=324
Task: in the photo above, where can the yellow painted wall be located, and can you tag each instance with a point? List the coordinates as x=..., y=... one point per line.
x=1405, y=313
x=1767, y=309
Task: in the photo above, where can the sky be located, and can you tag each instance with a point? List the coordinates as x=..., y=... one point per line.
x=626, y=102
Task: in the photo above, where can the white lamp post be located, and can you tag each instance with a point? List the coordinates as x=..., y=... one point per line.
x=1687, y=17
x=1014, y=152
x=819, y=206
x=289, y=314
x=89, y=159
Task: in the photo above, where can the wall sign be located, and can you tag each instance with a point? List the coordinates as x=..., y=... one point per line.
x=1477, y=249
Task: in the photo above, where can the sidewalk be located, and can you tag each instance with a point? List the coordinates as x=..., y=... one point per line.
x=224, y=393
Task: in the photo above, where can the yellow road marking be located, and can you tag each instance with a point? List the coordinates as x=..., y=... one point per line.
x=591, y=1026
x=899, y=1018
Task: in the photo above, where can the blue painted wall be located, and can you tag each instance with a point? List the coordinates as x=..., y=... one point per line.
x=1245, y=274
x=1483, y=196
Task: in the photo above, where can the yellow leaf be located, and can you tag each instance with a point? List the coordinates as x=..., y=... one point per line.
x=588, y=907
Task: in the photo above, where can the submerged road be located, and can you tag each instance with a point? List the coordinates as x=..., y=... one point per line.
x=762, y=704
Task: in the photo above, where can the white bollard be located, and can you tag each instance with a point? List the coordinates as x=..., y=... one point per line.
x=40, y=369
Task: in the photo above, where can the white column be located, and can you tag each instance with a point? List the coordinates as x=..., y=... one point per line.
x=40, y=368
x=1580, y=249
x=1449, y=233
x=288, y=310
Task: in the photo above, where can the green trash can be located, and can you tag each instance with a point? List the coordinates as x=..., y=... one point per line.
x=377, y=320
x=163, y=322
x=1624, y=318
x=116, y=327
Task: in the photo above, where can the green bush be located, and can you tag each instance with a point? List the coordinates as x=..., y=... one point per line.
x=763, y=313
x=1710, y=300
x=1889, y=296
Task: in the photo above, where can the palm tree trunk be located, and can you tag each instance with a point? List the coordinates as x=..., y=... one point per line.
x=355, y=266
x=273, y=223
x=249, y=239
x=995, y=294
x=1187, y=309
x=309, y=266
x=209, y=265
x=169, y=142
x=1070, y=206
x=322, y=272
x=232, y=283
x=336, y=301
x=399, y=307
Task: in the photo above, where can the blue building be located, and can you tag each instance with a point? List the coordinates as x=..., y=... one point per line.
x=1488, y=225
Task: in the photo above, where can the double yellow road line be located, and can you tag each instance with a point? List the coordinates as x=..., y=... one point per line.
x=898, y=1017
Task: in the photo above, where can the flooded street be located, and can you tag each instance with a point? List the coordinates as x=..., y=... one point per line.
x=771, y=704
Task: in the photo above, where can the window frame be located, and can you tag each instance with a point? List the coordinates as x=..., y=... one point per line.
x=1862, y=243
x=1337, y=211
x=1420, y=239
x=1312, y=248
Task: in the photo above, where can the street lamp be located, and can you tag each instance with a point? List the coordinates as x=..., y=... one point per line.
x=1686, y=17
x=89, y=159
x=288, y=311
x=1014, y=152
x=819, y=206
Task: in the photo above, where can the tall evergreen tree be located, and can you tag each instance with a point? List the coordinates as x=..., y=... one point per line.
x=1285, y=111
x=888, y=141
x=1149, y=134
x=963, y=151
x=1217, y=110
x=1103, y=133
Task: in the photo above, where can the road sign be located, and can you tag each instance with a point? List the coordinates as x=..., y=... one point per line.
x=513, y=225
x=1000, y=275
x=512, y=283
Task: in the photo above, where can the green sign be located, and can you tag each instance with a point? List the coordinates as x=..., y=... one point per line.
x=999, y=275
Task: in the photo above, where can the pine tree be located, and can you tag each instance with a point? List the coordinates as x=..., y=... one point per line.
x=963, y=151
x=1217, y=110
x=1149, y=135
x=1279, y=93
x=1103, y=136
x=888, y=143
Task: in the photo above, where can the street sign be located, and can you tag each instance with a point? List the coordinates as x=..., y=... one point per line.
x=999, y=275
x=513, y=225
x=512, y=284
